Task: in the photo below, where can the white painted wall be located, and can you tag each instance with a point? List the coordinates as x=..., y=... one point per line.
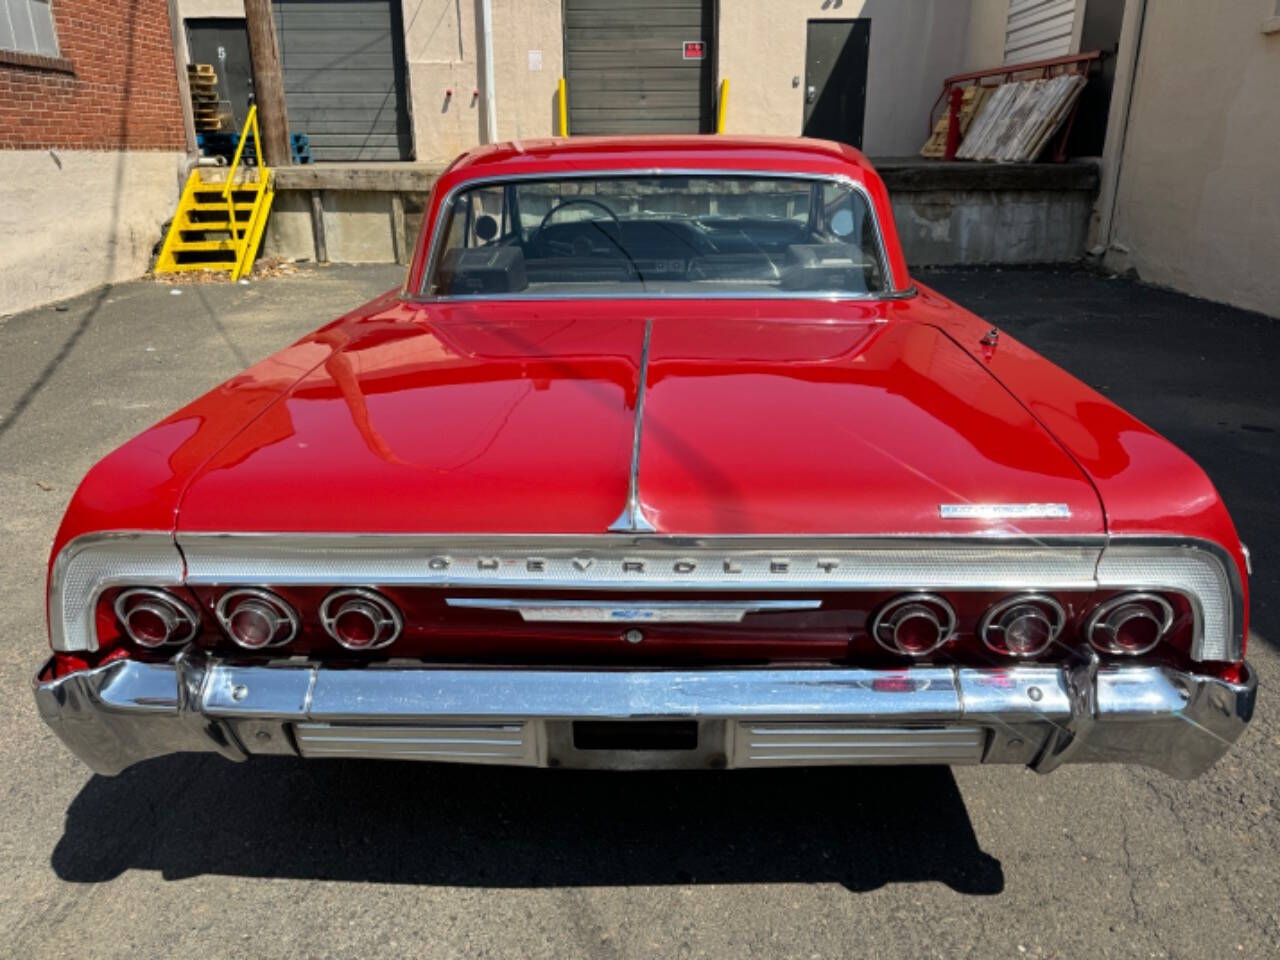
x=71, y=220
x=1197, y=201
x=984, y=42
x=914, y=45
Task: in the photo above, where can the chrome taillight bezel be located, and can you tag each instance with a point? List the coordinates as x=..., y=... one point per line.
x=165, y=605
x=998, y=617
x=1103, y=615
x=281, y=613
x=892, y=615
x=389, y=624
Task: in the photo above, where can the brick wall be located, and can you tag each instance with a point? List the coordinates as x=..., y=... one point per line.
x=112, y=87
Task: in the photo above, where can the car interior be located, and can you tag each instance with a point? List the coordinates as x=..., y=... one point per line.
x=512, y=240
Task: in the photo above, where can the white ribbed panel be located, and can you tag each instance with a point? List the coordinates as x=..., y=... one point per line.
x=769, y=744
x=1038, y=29
x=506, y=743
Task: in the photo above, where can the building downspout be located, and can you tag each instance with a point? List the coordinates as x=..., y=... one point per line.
x=1118, y=133
x=486, y=51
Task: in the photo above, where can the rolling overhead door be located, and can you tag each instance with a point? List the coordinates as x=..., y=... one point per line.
x=1039, y=29
x=344, y=73
x=638, y=66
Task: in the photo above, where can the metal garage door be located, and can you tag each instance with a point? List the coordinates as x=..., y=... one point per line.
x=638, y=66
x=1039, y=29
x=344, y=73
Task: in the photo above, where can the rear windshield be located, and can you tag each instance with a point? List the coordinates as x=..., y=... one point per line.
x=694, y=235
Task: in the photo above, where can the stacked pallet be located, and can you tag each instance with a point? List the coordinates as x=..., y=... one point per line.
x=1017, y=122
x=209, y=112
x=971, y=102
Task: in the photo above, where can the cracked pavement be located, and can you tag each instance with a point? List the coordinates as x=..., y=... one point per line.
x=194, y=855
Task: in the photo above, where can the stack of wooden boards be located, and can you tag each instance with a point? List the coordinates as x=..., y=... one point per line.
x=1010, y=123
x=971, y=102
x=210, y=113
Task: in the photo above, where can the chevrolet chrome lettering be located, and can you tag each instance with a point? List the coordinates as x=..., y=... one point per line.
x=659, y=458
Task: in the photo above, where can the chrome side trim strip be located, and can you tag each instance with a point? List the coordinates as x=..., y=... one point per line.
x=614, y=611
x=632, y=518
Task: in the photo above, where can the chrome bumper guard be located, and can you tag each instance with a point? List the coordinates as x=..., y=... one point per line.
x=126, y=711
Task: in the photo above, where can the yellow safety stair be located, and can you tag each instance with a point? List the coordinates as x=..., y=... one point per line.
x=219, y=223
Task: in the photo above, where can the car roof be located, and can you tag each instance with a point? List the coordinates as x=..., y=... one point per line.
x=692, y=152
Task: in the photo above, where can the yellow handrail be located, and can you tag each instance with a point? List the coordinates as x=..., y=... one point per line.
x=228, y=189
x=562, y=98
x=722, y=105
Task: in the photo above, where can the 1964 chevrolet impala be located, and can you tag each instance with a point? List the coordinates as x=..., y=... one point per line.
x=659, y=459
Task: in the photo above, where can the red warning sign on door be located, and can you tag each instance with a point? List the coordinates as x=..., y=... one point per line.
x=695, y=50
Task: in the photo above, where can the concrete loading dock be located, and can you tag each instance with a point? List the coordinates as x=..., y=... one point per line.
x=947, y=213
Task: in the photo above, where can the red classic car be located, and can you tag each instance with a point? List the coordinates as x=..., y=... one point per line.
x=660, y=458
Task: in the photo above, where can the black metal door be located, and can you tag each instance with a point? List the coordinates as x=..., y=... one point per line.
x=835, y=79
x=639, y=66
x=224, y=45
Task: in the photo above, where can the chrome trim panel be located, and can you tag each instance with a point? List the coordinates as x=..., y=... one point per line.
x=632, y=518
x=127, y=711
x=90, y=564
x=894, y=292
x=643, y=562
x=804, y=744
x=1201, y=570
x=1003, y=511
x=614, y=611
x=505, y=743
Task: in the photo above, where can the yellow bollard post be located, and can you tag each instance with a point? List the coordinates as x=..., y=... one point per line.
x=564, y=109
x=722, y=104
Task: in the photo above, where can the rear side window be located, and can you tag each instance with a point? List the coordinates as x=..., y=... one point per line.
x=673, y=235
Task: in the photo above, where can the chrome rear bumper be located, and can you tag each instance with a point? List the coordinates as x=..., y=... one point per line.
x=125, y=711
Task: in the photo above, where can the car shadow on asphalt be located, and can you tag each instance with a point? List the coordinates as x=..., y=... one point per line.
x=408, y=823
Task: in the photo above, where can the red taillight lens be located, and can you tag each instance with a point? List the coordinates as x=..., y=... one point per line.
x=256, y=618
x=360, y=619
x=914, y=624
x=1130, y=624
x=155, y=618
x=1022, y=626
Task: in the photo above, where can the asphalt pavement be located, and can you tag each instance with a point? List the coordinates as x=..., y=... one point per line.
x=196, y=856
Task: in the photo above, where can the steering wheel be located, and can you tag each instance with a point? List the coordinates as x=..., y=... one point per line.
x=586, y=201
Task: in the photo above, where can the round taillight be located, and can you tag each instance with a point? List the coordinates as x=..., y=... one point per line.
x=1022, y=626
x=914, y=624
x=1129, y=625
x=155, y=618
x=360, y=619
x=256, y=618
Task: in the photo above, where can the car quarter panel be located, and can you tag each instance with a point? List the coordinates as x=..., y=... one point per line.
x=1148, y=486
